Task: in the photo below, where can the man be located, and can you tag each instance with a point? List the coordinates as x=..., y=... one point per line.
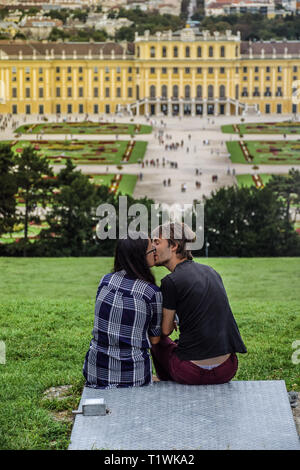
x=209, y=336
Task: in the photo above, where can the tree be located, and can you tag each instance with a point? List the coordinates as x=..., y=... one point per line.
x=287, y=188
x=248, y=222
x=81, y=15
x=71, y=219
x=8, y=189
x=33, y=178
x=126, y=33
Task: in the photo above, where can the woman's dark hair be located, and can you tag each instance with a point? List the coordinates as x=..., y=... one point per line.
x=130, y=255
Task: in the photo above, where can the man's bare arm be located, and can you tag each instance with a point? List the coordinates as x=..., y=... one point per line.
x=168, y=321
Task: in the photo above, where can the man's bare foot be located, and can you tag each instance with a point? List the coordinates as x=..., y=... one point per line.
x=155, y=379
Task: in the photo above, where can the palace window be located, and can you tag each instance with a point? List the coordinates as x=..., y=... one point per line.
x=152, y=51
x=199, y=91
x=152, y=91
x=164, y=52
x=187, y=91
x=222, y=91
x=175, y=51
x=222, y=51
x=210, y=51
x=187, y=51
x=199, y=51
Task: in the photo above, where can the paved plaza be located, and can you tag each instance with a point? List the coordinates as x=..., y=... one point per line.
x=204, y=149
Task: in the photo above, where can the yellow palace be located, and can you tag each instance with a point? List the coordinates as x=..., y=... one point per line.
x=173, y=73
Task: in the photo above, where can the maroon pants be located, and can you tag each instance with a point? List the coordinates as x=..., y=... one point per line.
x=169, y=367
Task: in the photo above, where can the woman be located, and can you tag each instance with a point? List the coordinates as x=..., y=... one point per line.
x=128, y=314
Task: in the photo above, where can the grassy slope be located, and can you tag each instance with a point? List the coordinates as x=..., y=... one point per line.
x=46, y=319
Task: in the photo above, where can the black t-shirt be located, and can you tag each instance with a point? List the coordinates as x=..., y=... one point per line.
x=207, y=326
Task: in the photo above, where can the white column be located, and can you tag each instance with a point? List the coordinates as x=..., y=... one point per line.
x=216, y=107
x=227, y=108
x=146, y=106
x=193, y=107
x=180, y=107
x=169, y=107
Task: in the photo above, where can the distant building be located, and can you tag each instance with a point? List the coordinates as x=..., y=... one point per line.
x=41, y=3
x=179, y=73
x=8, y=28
x=38, y=27
x=239, y=7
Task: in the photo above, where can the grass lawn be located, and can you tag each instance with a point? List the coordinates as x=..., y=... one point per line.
x=247, y=180
x=85, y=152
x=46, y=320
x=265, y=152
x=86, y=127
x=262, y=128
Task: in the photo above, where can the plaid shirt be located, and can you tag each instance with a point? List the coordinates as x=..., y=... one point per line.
x=127, y=312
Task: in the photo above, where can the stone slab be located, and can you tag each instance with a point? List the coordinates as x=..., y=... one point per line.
x=253, y=415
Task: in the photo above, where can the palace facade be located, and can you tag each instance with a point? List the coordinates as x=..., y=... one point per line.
x=173, y=73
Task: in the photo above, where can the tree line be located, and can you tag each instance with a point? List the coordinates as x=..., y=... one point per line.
x=238, y=221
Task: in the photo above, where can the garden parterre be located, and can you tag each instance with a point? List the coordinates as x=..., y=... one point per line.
x=286, y=127
x=85, y=151
x=86, y=127
x=264, y=152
